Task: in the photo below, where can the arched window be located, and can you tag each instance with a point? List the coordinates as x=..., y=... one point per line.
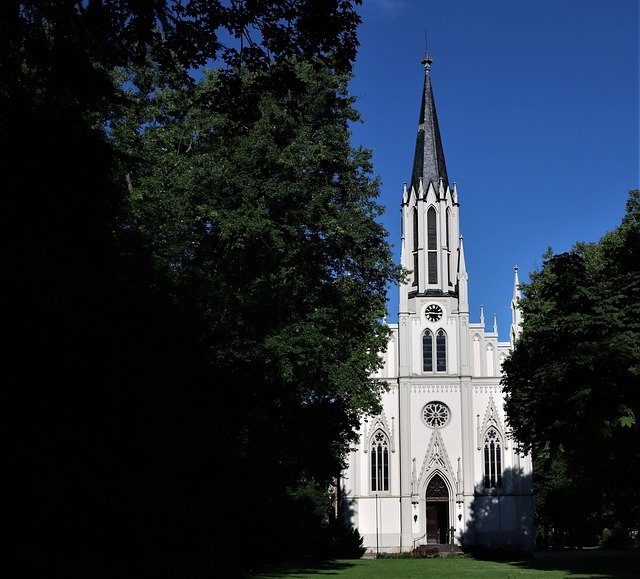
x=448, y=241
x=492, y=459
x=437, y=489
x=415, y=247
x=379, y=462
x=432, y=246
x=439, y=360
x=427, y=351
x=441, y=351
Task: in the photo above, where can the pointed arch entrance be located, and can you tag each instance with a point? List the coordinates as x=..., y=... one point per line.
x=437, y=499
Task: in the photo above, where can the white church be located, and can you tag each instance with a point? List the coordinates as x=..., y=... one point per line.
x=437, y=466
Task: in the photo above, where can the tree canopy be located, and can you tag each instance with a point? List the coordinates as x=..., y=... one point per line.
x=196, y=278
x=571, y=382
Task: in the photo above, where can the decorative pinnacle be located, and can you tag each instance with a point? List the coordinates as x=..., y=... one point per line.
x=427, y=61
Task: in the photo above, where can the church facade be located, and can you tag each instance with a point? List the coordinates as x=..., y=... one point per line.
x=438, y=465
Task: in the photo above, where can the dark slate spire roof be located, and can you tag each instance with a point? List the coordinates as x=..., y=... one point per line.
x=428, y=161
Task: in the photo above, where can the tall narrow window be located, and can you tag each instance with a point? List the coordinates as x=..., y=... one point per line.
x=432, y=246
x=415, y=247
x=441, y=351
x=448, y=241
x=379, y=462
x=427, y=351
x=492, y=459
x=434, y=358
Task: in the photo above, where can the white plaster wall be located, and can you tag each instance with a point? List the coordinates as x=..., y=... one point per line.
x=382, y=523
x=478, y=508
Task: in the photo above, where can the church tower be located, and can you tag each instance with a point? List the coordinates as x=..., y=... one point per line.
x=437, y=466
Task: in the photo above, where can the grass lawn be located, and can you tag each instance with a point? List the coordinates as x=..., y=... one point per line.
x=576, y=565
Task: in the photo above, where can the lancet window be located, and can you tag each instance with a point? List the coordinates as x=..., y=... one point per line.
x=441, y=351
x=432, y=246
x=379, y=462
x=434, y=358
x=448, y=242
x=415, y=247
x=427, y=351
x=492, y=459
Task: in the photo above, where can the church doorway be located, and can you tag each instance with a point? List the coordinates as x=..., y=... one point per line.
x=437, y=511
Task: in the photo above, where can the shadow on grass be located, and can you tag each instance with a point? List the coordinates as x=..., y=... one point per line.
x=592, y=563
x=306, y=567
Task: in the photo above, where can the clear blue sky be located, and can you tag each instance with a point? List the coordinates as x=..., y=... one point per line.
x=538, y=109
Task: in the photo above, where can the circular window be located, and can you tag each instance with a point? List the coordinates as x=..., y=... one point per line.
x=435, y=414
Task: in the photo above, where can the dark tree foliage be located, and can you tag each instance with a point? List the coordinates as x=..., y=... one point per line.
x=195, y=280
x=572, y=381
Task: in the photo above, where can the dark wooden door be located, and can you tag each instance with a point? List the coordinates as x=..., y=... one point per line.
x=433, y=535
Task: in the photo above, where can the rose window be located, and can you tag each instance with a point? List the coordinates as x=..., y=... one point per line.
x=435, y=414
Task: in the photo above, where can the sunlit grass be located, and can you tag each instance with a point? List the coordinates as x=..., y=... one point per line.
x=578, y=566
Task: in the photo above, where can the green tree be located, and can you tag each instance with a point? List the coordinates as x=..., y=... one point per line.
x=196, y=278
x=273, y=221
x=571, y=380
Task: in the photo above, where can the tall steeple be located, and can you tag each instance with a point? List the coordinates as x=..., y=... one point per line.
x=437, y=359
x=431, y=226
x=428, y=161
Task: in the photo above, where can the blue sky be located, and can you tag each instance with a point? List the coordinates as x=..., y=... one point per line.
x=538, y=109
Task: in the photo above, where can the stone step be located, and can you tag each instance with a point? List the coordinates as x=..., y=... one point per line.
x=443, y=550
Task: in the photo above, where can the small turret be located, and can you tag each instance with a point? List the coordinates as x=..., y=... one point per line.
x=516, y=313
x=463, y=278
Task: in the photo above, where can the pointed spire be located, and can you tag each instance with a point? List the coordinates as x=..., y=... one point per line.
x=462, y=265
x=482, y=315
x=516, y=284
x=428, y=161
x=516, y=312
x=495, y=323
x=463, y=291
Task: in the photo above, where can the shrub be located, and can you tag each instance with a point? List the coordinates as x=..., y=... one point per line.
x=345, y=541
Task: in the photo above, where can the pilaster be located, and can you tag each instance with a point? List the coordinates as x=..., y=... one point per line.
x=466, y=433
x=404, y=405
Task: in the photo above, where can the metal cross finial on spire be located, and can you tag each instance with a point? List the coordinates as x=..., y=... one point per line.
x=427, y=60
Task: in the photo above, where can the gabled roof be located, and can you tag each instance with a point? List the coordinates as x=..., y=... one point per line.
x=428, y=161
